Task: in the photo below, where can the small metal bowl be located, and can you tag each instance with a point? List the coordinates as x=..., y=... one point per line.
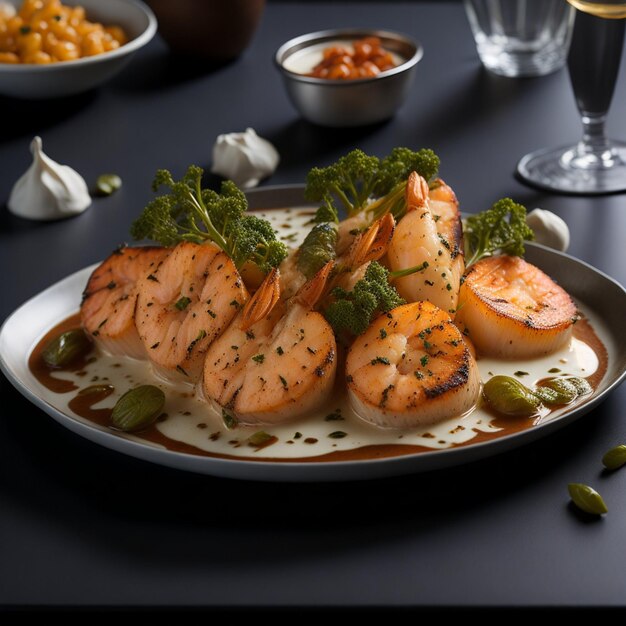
x=356, y=102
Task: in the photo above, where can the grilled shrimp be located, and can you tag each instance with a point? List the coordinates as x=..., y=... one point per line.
x=184, y=304
x=510, y=308
x=108, y=308
x=277, y=359
x=420, y=240
x=411, y=368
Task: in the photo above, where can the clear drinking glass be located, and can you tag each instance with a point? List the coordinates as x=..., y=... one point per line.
x=595, y=165
x=521, y=37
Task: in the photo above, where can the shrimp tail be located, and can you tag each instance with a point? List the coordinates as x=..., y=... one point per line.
x=372, y=244
x=416, y=192
x=263, y=301
x=311, y=292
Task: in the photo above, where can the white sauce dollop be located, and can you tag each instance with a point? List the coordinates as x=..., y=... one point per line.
x=245, y=158
x=48, y=190
x=550, y=230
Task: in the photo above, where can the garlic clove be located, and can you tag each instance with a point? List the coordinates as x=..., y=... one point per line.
x=48, y=190
x=550, y=230
x=245, y=158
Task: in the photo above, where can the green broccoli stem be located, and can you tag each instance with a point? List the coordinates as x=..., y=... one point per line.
x=481, y=252
x=203, y=213
x=347, y=205
x=389, y=203
x=409, y=270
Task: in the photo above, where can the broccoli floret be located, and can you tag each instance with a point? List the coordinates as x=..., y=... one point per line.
x=190, y=213
x=350, y=181
x=396, y=168
x=501, y=228
x=352, y=311
x=356, y=179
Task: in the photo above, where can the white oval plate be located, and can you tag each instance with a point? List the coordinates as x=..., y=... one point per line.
x=600, y=294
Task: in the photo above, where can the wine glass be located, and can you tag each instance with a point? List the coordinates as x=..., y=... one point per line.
x=596, y=165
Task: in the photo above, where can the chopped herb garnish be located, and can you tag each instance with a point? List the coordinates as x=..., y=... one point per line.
x=338, y=434
x=258, y=358
x=280, y=351
x=424, y=360
x=383, y=333
x=181, y=370
x=380, y=359
x=153, y=277
x=283, y=381
x=112, y=285
x=259, y=438
x=297, y=435
x=211, y=313
x=183, y=303
x=229, y=420
x=520, y=373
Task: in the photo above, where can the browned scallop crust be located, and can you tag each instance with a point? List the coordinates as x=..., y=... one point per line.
x=510, y=308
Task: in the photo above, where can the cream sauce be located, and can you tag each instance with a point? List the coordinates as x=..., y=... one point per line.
x=333, y=433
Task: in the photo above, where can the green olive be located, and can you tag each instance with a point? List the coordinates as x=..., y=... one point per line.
x=106, y=184
x=509, y=397
x=582, y=385
x=615, y=458
x=587, y=499
x=138, y=408
x=564, y=390
x=66, y=349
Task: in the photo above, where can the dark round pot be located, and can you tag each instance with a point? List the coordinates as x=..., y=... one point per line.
x=217, y=30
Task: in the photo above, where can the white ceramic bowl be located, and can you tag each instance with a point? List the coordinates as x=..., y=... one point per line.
x=71, y=77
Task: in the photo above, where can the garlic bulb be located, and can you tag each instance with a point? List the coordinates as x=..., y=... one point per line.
x=245, y=158
x=550, y=230
x=48, y=190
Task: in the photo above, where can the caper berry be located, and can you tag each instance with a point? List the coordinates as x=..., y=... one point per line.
x=587, y=499
x=509, y=397
x=138, y=408
x=66, y=349
x=106, y=184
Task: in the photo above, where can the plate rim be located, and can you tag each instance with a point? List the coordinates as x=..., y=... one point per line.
x=285, y=470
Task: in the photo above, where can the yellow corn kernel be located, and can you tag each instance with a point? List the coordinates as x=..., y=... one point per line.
x=66, y=51
x=37, y=58
x=77, y=15
x=92, y=44
x=110, y=44
x=29, y=7
x=14, y=24
x=117, y=33
x=9, y=57
x=29, y=43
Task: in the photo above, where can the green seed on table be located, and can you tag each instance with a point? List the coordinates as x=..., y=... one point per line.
x=65, y=349
x=587, y=499
x=138, y=408
x=615, y=457
x=106, y=184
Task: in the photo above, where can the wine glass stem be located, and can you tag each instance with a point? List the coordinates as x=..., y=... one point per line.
x=594, y=134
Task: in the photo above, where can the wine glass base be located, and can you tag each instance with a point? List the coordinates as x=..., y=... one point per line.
x=568, y=171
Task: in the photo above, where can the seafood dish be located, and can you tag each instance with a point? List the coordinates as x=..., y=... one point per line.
x=379, y=315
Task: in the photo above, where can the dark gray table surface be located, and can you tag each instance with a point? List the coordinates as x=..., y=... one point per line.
x=82, y=525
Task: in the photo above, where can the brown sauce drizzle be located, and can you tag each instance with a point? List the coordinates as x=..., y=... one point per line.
x=82, y=403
